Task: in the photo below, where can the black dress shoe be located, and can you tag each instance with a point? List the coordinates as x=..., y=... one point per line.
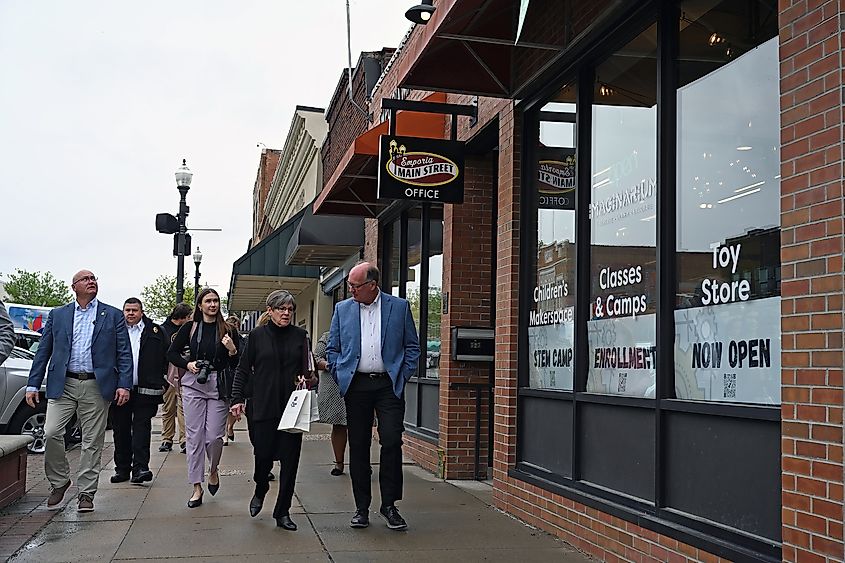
x=360, y=520
x=394, y=519
x=194, y=503
x=255, y=505
x=286, y=523
x=165, y=447
x=119, y=477
x=142, y=477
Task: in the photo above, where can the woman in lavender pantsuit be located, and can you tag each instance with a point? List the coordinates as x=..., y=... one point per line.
x=205, y=403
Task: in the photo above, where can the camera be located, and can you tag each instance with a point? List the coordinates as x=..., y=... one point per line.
x=204, y=367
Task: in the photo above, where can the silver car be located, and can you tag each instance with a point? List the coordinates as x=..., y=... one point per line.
x=16, y=417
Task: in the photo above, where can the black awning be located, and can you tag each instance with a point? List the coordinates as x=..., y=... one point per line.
x=264, y=269
x=325, y=240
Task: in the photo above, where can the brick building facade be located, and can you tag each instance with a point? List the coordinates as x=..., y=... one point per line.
x=486, y=261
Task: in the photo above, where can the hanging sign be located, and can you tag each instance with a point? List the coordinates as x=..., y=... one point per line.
x=556, y=178
x=421, y=169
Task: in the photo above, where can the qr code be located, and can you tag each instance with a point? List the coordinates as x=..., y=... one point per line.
x=730, y=386
x=623, y=381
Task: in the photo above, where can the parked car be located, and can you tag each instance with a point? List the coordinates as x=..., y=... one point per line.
x=27, y=339
x=16, y=417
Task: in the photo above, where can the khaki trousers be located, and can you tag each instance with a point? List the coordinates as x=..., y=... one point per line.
x=84, y=399
x=171, y=412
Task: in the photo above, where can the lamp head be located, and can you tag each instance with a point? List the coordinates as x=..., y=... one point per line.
x=184, y=175
x=197, y=256
x=421, y=13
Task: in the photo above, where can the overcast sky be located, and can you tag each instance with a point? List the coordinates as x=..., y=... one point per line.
x=100, y=101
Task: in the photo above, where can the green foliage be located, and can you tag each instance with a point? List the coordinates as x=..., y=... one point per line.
x=35, y=288
x=159, y=297
x=435, y=304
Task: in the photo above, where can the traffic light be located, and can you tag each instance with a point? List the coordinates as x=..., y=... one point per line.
x=167, y=223
x=186, y=246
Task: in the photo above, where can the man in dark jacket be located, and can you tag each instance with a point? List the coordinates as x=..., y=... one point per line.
x=131, y=422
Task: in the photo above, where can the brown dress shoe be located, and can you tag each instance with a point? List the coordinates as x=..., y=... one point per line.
x=56, y=496
x=86, y=503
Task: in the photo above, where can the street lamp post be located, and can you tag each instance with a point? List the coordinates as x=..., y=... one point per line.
x=183, y=184
x=197, y=261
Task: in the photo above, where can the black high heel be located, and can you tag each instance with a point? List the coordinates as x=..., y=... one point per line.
x=214, y=488
x=338, y=469
x=193, y=503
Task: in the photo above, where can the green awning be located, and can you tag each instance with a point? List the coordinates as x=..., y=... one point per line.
x=263, y=269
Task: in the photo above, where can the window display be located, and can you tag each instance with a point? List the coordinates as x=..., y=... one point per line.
x=621, y=329
x=727, y=318
x=552, y=316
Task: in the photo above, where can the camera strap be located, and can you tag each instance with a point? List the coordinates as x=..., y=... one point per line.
x=199, y=339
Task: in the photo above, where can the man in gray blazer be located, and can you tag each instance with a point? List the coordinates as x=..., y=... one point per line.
x=86, y=345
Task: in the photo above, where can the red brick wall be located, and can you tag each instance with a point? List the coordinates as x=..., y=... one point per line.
x=263, y=179
x=467, y=263
x=345, y=121
x=811, y=42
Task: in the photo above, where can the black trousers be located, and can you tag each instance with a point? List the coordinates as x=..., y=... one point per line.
x=287, y=452
x=366, y=395
x=131, y=424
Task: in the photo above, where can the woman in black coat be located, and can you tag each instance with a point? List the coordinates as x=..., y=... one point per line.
x=273, y=362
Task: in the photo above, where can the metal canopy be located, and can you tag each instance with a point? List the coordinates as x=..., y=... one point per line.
x=470, y=46
x=325, y=240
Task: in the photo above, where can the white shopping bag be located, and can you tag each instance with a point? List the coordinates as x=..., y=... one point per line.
x=315, y=407
x=297, y=415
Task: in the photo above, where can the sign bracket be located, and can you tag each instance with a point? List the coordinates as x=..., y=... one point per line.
x=394, y=105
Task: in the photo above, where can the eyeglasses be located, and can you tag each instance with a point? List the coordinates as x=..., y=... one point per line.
x=284, y=309
x=85, y=279
x=357, y=286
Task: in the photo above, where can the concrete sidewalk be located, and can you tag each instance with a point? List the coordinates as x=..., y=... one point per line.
x=447, y=521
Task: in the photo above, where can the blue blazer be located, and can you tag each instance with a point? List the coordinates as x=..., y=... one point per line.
x=400, y=345
x=111, y=353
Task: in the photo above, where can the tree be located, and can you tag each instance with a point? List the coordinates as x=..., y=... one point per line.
x=35, y=288
x=435, y=303
x=159, y=297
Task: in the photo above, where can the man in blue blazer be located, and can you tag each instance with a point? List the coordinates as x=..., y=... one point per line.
x=373, y=350
x=86, y=345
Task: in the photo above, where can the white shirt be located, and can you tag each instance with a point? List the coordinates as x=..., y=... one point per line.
x=84, y=320
x=135, y=341
x=370, y=361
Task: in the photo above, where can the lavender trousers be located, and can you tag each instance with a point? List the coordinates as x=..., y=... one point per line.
x=205, y=424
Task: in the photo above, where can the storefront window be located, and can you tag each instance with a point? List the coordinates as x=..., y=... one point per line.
x=552, y=318
x=412, y=284
x=727, y=318
x=395, y=237
x=435, y=292
x=621, y=329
